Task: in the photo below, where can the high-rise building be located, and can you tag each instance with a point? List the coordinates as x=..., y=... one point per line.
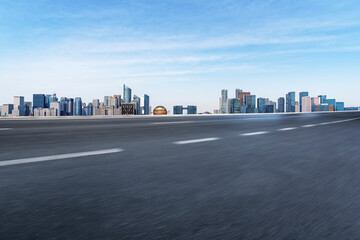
x=290, y=102
x=261, y=104
x=136, y=100
x=301, y=95
x=250, y=101
x=96, y=103
x=19, y=106
x=224, y=100
x=315, y=101
x=242, y=96
x=306, y=104
x=53, y=98
x=281, y=105
x=47, y=100
x=70, y=107
x=237, y=91
x=107, y=100
x=322, y=98
x=127, y=94
x=38, y=100
x=78, y=106
x=297, y=106
x=115, y=101
x=235, y=106
x=145, y=106
x=28, y=108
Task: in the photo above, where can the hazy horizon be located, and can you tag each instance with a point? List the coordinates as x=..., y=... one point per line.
x=179, y=52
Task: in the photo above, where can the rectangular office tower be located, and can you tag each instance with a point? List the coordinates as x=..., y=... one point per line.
x=301, y=95
x=78, y=106
x=145, y=105
x=19, y=106
x=224, y=100
x=178, y=110
x=38, y=100
x=306, y=104
x=281, y=105
x=290, y=102
x=127, y=94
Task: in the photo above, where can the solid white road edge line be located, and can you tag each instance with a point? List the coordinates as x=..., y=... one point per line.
x=252, y=133
x=197, y=140
x=57, y=157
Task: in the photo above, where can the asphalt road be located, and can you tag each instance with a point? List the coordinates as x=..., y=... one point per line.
x=201, y=177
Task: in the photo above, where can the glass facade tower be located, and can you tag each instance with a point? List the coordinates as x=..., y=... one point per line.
x=78, y=106
x=127, y=94
x=290, y=102
x=301, y=95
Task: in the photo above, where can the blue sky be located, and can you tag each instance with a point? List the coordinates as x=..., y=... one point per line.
x=180, y=52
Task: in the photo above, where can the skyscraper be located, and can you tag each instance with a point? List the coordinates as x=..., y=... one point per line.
x=242, y=97
x=146, y=105
x=127, y=94
x=322, y=98
x=38, y=100
x=281, y=105
x=224, y=98
x=251, y=101
x=107, y=100
x=306, y=104
x=78, y=106
x=301, y=95
x=315, y=101
x=261, y=103
x=235, y=105
x=290, y=102
x=19, y=106
x=237, y=91
x=96, y=103
x=70, y=107
x=136, y=100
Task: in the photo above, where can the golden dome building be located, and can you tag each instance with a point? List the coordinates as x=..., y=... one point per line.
x=160, y=110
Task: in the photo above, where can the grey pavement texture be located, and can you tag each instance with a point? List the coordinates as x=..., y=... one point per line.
x=303, y=183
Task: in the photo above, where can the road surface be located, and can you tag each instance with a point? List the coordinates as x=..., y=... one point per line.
x=291, y=176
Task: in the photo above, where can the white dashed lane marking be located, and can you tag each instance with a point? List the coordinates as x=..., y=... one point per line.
x=287, y=129
x=4, y=129
x=197, y=140
x=253, y=133
x=58, y=157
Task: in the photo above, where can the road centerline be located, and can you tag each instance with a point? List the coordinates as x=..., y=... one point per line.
x=58, y=157
x=196, y=140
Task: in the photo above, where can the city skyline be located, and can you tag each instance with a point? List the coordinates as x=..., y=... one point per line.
x=179, y=53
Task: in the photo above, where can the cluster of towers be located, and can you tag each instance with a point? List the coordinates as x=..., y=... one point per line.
x=245, y=102
x=50, y=105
